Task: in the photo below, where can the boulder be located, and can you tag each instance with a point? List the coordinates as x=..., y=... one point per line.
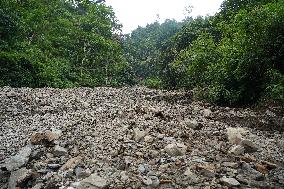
x=237, y=150
x=230, y=182
x=44, y=137
x=93, y=182
x=82, y=173
x=151, y=181
x=176, y=149
x=143, y=168
x=19, y=160
x=18, y=177
x=235, y=135
x=207, y=113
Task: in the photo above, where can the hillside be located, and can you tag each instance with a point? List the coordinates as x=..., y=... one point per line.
x=135, y=138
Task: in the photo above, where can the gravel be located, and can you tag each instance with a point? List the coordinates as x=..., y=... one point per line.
x=121, y=138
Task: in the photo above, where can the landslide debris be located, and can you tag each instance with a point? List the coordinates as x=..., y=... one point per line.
x=134, y=138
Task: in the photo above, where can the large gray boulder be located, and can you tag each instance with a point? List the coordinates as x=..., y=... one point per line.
x=19, y=160
x=18, y=177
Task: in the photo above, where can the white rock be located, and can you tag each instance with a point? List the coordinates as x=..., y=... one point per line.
x=148, y=139
x=207, y=113
x=75, y=184
x=193, y=124
x=235, y=135
x=176, y=149
x=56, y=131
x=270, y=113
x=138, y=134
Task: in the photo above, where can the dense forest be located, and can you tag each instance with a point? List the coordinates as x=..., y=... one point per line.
x=235, y=57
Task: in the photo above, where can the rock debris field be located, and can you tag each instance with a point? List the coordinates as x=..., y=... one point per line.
x=135, y=138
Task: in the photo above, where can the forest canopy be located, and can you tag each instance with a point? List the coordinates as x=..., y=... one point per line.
x=235, y=57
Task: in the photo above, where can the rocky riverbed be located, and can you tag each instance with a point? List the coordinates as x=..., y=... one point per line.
x=135, y=138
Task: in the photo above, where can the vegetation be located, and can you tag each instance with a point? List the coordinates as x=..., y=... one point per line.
x=57, y=43
x=233, y=58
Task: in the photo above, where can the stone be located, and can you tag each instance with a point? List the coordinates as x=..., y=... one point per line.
x=58, y=132
x=237, y=150
x=155, y=181
x=93, y=182
x=71, y=163
x=230, y=164
x=147, y=181
x=143, y=168
x=123, y=176
x=53, y=166
x=18, y=177
x=75, y=184
x=151, y=181
x=19, y=160
x=38, y=186
x=206, y=169
x=235, y=135
x=207, y=113
x=37, y=138
x=249, y=146
x=251, y=172
x=230, y=182
x=193, y=124
x=270, y=113
x=51, y=136
x=82, y=173
x=59, y=151
x=242, y=179
x=138, y=134
x=188, y=172
x=192, y=177
x=261, y=168
x=176, y=149
x=148, y=139
x=43, y=137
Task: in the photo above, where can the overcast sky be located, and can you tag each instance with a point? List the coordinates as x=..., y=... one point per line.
x=134, y=13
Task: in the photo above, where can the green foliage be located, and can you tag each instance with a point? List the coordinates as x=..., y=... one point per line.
x=57, y=43
x=143, y=47
x=155, y=83
x=233, y=58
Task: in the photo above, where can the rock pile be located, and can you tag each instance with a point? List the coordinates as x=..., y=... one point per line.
x=133, y=138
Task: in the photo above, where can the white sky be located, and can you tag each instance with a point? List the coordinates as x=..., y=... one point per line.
x=134, y=13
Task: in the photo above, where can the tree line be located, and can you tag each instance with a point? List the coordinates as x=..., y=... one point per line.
x=235, y=57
